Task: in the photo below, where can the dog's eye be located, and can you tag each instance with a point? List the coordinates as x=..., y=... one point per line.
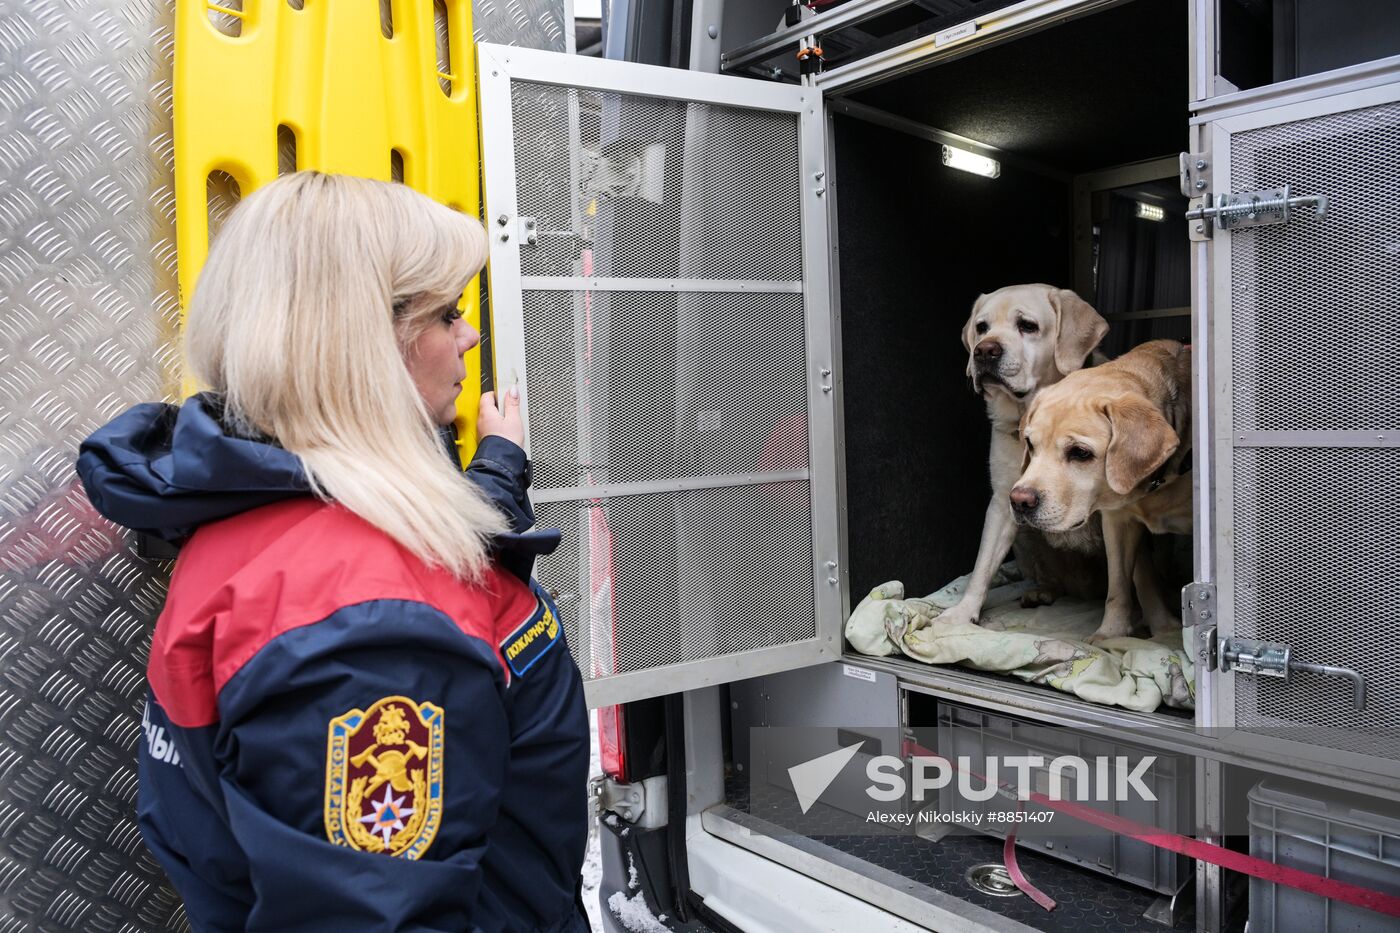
x=1079, y=454
x=1027, y=327
x=1030, y=448
x=981, y=327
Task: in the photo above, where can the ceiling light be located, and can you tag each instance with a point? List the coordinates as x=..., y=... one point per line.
x=971, y=162
x=1150, y=212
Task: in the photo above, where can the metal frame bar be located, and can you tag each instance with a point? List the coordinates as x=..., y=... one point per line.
x=848, y=14
x=551, y=68
x=1149, y=314
x=996, y=26
x=645, y=487
x=566, y=283
x=1177, y=735
x=1346, y=80
x=1315, y=439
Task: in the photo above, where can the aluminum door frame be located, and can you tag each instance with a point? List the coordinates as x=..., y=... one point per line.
x=1218, y=121
x=498, y=67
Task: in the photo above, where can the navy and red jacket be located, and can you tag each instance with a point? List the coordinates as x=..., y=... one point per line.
x=338, y=737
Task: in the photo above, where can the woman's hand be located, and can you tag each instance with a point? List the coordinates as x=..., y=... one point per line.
x=490, y=421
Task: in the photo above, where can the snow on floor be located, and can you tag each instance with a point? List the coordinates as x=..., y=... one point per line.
x=634, y=914
x=593, y=861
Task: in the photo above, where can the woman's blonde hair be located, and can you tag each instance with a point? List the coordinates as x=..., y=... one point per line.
x=312, y=289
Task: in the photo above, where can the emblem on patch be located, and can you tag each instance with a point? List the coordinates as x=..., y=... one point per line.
x=384, y=777
x=528, y=643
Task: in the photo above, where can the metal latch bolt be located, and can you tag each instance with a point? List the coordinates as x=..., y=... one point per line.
x=1256, y=208
x=1274, y=659
x=1245, y=655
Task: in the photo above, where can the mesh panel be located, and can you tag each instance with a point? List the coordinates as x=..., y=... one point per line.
x=655, y=186
x=1317, y=567
x=1311, y=297
x=691, y=574
x=630, y=386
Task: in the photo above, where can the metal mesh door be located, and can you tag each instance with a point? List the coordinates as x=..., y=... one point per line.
x=650, y=271
x=1314, y=375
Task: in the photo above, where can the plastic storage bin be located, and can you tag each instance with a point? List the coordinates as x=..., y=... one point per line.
x=1347, y=837
x=980, y=735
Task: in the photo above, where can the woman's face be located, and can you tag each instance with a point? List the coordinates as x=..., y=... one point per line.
x=434, y=361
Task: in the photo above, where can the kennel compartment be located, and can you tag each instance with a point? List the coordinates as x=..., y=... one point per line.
x=981, y=736
x=1087, y=123
x=1341, y=836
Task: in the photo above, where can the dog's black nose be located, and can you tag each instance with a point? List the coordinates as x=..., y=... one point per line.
x=1024, y=500
x=987, y=350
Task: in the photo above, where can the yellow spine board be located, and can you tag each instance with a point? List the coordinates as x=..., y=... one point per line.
x=351, y=96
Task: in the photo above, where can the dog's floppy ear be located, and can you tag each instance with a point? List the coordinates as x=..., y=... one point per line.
x=1081, y=329
x=1021, y=432
x=969, y=332
x=1141, y=441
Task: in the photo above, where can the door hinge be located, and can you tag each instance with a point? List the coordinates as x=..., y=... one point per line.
x=642, y=804
x=1195, y=174
x=1244, y=209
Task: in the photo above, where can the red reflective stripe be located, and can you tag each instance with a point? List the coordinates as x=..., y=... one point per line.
x=1330, y=888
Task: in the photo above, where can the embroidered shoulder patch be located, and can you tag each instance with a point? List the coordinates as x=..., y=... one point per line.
x=531, y=639
x=384, y=777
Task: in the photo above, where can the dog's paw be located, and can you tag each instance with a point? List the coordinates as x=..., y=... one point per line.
x=1038, y=596
x=961, y=614
x=1110, y=629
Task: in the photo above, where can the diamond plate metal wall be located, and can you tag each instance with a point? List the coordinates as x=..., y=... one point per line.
x=87, y=327
x=532, y=24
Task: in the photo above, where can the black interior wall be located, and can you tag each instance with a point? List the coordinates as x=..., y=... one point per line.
x=918, y=242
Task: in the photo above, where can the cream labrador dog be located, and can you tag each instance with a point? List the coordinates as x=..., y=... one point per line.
x=1114, y=439
x=1019, y=340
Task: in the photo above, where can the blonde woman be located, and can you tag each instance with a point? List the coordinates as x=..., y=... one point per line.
x=362, y=713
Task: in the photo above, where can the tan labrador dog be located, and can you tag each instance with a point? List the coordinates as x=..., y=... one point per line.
x=1019, y=340
x=1114, y=440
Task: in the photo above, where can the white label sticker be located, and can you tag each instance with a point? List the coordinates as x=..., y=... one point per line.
x=858, y=673
x=961, y=31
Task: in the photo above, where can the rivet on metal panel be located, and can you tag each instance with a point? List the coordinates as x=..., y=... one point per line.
x=503, y=220
x=713, y=32
x=505, y=236
x=1201, y=163
x=832, y=580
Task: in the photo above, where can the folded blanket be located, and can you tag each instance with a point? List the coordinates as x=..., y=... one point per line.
x=1043, y=645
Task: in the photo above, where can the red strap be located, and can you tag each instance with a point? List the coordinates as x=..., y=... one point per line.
x=1330, y=888
x=1013, y=868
